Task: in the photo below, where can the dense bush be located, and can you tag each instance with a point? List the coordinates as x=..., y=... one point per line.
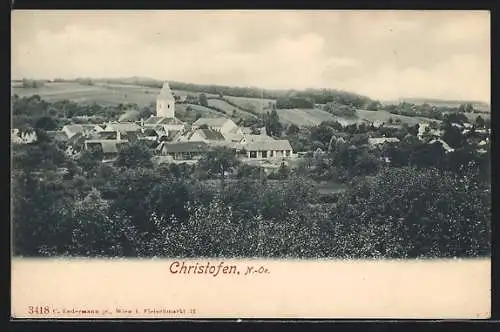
x=400, y=212
x=409, y=213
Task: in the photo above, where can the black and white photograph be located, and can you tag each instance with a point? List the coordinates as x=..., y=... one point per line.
x=202, y=140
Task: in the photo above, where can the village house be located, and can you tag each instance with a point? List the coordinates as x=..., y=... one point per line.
x=267, y=149
x=224, y=126
x=127, y=130
x=424, y=130
x=166, y=124
x=249, y=138
x=150, y=134
x=234, y=135
x=108, y=147
x=201, y=135
x=378, y=141
x=22, y=137
x=180, y=151
x=445, y=145
x=58, y=136
x=84, y=129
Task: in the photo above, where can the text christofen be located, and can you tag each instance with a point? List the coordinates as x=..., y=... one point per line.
x=217, y=269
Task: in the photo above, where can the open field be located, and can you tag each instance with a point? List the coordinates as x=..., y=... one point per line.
x=311, y=117
x=304, y=117
x=103, y=94
x=190, y=116
x=221, y=104
x=384, y=116
x=256, y=103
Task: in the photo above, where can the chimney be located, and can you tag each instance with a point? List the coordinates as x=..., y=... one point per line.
x=118, y=135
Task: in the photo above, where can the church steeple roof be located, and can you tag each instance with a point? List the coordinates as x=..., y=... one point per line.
x=165, y=92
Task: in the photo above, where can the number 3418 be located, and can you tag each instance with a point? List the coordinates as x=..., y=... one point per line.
x=38, y=310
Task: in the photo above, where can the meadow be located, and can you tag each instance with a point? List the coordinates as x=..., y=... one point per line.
x=230, y=109
x=257, y=104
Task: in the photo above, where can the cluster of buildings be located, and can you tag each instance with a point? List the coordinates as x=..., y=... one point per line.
x=173, y=140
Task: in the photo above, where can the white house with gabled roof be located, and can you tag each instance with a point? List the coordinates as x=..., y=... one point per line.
x=224, y=126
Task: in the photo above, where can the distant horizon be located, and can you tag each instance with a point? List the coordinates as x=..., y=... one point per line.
x=443, y=100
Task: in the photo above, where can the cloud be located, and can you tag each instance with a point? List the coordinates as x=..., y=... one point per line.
x=472, y=28
x=462, y=76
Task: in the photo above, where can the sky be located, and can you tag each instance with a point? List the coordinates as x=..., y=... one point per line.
x=382, y=54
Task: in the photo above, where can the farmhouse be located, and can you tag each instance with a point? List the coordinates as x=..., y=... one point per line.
x=234, y=135
x=445, y=145
x=222, y=125
x=167, y=124
x=127, y=130
x=201, y=135
x=379, y=141
x=57, y=136
x=424, y=130
x=255, y=138
x=183, y=150
x=84, y=129
x=109, y=148
x=267, y=149
x=108, y=135
x=123, y=127
x=382, y=140
x=22, y=137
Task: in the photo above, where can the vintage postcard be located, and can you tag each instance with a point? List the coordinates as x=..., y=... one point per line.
x=250, y=164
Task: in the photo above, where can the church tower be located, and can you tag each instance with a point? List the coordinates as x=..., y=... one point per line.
x=165, y=103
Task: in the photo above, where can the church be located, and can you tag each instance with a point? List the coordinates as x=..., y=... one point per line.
x=165, y=119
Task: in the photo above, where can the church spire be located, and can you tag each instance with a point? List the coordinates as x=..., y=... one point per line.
x=165, y=91
x=165, y=102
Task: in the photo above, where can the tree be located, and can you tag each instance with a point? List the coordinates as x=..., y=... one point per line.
x=405, y=212
x=46, y=123
x=97, y=232
x=272, y=124
x=89, y=160
x=292, y=129
x=219, y=161
x=202, y=98
x=322, y=133
x=453, y=136
x=480, y=123
x=134, y=155
x=246, y=171
x=283, y=172
x=466, y=108
x=459, y=118
x=340, y=110
x=146, y=112
x=374, y=106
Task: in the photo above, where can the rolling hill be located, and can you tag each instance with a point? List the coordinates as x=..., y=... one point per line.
x=109, y=93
